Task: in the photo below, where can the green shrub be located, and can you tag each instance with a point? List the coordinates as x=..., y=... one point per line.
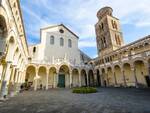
x=84, y=90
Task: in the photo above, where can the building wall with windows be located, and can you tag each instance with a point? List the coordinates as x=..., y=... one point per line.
x=119, y=64
x=13, y=48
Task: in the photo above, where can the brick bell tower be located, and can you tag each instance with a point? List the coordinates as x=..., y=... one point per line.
x=108, y=32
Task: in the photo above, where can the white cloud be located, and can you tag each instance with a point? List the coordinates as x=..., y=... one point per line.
x=81, y=15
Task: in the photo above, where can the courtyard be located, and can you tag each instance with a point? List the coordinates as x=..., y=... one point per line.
x=107, y=100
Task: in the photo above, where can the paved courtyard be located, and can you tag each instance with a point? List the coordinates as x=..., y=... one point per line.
x=107, y=100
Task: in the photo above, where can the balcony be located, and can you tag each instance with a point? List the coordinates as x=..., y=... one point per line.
x=59, y=61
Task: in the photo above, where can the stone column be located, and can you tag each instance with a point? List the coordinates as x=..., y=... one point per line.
x=106, y=74
x=15, y=80
x=18, y=82
x=87, y=76
x=36, y=80
x=80, y=78
x=24, y=76
x=95, y=78
x=124, y=78
x=57, y=77
x=55, y=80
x=67, y=80
x=135, y=77
x=149, y=70
x=47, y=77
x=101, y=78
x=71, y=80
x=115, y=79
x=13, y=74
x=13, y=85
x=20, y=76
x=16, y=76
x=5, y=81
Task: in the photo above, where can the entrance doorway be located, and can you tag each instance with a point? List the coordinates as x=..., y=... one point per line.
x=61, y=80
x=147, y=78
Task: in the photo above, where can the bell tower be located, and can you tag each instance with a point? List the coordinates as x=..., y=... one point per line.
x=108, y=32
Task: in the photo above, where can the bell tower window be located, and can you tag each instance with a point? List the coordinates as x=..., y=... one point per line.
x=114, y=24
x=34, y=49
x=117, y=38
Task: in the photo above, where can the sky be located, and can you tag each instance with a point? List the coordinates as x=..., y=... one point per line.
x=80, y=17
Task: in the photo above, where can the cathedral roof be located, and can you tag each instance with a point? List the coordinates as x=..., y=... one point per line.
x=62, y=26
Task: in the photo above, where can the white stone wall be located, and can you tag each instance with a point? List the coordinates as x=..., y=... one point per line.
x=47, y=52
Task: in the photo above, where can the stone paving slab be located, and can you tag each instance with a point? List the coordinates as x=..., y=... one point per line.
x=107, y=100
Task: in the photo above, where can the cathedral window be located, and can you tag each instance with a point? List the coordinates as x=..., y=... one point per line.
x=117, y=38
x=61, y=41
x=69, y=43
x=114, y=24
x=52, y=40
x=61, y=31
x=34, y=49
x=104, y=42
x=101, y=26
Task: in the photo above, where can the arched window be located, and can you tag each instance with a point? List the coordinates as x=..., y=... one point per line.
x=69, y=43
x=34, y=49
x=114, y=24
x=52, y=40
x=104, y=42
x=61, y=41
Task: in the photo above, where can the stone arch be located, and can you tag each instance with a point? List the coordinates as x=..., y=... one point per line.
x=118, y=75
x=11, y=40
x=140, y=72
x=111, y=80
x=4, y=15
x=64, y=64
x=30, y=76
x=52, y=79
x=83, y=78
x=42, y=77
x=139, y=59
x=91, y=78
x=64, y=76
x=129, y=78
x=75, y=78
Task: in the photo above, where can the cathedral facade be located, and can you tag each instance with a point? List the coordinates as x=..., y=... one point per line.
x=57, y=62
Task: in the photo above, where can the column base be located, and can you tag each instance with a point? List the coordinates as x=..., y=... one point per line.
x=4, y=90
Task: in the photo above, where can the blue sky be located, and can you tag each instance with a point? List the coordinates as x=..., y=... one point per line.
x=80, y=17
